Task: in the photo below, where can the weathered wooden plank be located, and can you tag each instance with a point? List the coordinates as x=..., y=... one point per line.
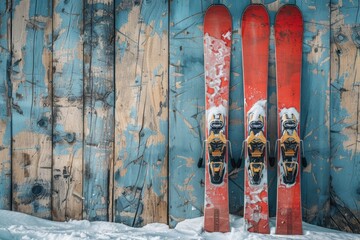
x=99, y=107
x=67, y=110
x=344, y=218
x=315, y=102
x=186, y=110
x=187, y=101
x=141, y=131
x=345, y=108
x=31, y=106
x=5, y=110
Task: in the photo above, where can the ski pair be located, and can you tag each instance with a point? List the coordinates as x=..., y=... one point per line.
x=288, y=53
x=255, y=46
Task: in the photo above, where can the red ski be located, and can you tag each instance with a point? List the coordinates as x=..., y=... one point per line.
x=288, y=51
x=255, y=33
x=217, y=54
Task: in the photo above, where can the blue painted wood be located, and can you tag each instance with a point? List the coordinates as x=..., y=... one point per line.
x=141, y=130
x=186, y=102
x=5, y=110
x=344, y=111
x=99, y=107
x=146, y=135
x=186, y=109
x=315, y=102
x=67, y=110
x=31, y=106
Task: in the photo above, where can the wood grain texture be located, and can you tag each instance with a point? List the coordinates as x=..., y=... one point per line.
x=186, y=110
x=315, y=118
x=5, y=107
x=141, y=128
x=31, y=107
x=345, y=108
x=99, y=107
x=67, y=110
x=146, y=135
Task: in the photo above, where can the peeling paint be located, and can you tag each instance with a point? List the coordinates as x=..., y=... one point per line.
x=141, y=116
x=32, y=126
x=5, y=111
x=99, y=108
x=67, y=113
x=329, y=119
x=345, y=109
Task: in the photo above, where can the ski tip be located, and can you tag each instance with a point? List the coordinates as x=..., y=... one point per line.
x=218, y=22
x=255, y=26
x=256, y=12
x=256, y=7
x=290, y=12
x=200, y=162
x=217, y=9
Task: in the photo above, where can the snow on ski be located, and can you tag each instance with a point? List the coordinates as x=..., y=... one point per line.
x=255, y=50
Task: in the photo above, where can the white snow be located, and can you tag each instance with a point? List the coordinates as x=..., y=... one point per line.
x=289, y=112
x=15, y=225
x=258, y=109
x=214, y=111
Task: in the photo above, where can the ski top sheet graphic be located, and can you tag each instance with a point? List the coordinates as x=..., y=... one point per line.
x=255, y=31
x=217, y=54
x=288, y=52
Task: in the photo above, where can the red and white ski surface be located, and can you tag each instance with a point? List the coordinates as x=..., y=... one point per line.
x=217, y=55
x=255, y=31
x=288, y=52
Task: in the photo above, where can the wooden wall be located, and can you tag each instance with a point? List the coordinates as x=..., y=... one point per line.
x=344, y=115
x=102, y=109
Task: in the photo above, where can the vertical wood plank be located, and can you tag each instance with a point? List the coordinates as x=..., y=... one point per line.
x=186, y=109
x=5, y=108
x=141, y=131
x=345, y=108
x=99, y=107
x=31, y=107
x=67, y=110
x=315, y=103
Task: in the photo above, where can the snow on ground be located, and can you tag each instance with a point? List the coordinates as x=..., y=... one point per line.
x=15, y=225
